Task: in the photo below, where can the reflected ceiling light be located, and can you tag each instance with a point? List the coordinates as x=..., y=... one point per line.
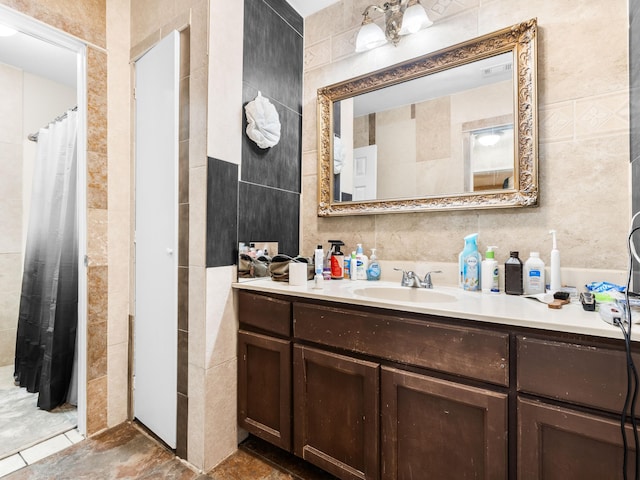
x=402, y=17
x=488, y=139
x=7, y=31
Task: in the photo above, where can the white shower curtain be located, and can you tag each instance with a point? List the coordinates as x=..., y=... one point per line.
x=47, y=323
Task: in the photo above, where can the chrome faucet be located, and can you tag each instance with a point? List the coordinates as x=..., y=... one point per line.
x=411, y=279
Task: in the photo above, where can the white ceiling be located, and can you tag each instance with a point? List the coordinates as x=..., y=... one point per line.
x=59, y=64
x=309, y=7
x=39, y=57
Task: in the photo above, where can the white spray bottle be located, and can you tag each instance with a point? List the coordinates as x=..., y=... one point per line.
x=555, y=282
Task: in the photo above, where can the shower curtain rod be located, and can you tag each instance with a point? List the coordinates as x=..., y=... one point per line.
x=34, y=136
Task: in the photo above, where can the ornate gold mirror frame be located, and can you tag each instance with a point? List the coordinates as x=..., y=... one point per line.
x=519, y=39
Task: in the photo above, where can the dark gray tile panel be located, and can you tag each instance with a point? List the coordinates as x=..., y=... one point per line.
x=273, y=54
x=268, y=214
x=288, y=14
x=278, y=166
x=222, y=213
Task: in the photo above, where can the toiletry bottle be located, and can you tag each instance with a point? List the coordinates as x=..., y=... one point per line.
x=373, y=271
x=470, y=267
x=513, y=275
x=555, y=282
x=347, y=267
x=337, y=260
x=353, y=265
x=490, y=272
x=326, y=266
x=534, y=274
x=363, y=263
x=318, y=260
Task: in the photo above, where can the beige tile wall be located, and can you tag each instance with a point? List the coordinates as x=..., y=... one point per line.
x=583, y=127
x=86, y=21
x=11, y=88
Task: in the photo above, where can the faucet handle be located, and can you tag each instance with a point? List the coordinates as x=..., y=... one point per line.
x=407, y=277
x=427, y=278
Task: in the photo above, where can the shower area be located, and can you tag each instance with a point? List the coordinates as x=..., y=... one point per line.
x=38, y=242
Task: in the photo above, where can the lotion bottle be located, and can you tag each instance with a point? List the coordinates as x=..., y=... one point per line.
x=555, y=282
x=490, y=272
x=362, y=263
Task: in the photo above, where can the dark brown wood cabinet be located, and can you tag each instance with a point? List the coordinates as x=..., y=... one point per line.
x=557, y=443
x=376, y=394
x=336, y=412
x=433, y=428
x=264, y=387
x=265, y=368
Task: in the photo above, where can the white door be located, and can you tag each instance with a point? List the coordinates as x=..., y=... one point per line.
x=365, y=175
x=156, y=232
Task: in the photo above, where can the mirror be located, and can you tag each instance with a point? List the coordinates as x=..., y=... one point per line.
x=454, y=129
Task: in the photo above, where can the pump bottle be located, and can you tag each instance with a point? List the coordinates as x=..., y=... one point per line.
x=337, y=260
x=490, y=272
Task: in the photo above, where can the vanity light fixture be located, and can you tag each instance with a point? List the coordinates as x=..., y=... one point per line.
x=402, y=17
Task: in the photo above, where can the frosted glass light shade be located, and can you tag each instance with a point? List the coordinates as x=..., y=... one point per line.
x=415, y=18
x=369, y=36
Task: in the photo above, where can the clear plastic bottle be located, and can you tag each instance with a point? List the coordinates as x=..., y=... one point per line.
x=374, y=271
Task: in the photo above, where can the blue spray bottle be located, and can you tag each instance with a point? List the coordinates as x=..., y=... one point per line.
x=470, y=261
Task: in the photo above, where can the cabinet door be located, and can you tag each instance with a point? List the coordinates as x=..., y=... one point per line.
x=264, y=387
x=558, y=443
x=336, y=413
x=433, y=428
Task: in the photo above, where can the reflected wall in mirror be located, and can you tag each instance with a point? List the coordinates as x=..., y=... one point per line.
x=454, y=129
x=254, y=259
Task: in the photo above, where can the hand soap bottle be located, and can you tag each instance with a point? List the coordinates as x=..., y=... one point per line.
x=374, y=271
x=470, y=263
x=490, y=272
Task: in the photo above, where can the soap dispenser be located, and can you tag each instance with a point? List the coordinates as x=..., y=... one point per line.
x=374, y=271
x=490, y=272
x=470, y=264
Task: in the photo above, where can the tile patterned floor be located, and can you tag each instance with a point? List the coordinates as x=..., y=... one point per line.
x=126, y=452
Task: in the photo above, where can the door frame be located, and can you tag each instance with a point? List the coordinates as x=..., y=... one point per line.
x=44, y=32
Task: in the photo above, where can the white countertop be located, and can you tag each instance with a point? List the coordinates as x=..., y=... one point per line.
x=492, y=308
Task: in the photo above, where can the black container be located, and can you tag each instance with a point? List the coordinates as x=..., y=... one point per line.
x=513, y=275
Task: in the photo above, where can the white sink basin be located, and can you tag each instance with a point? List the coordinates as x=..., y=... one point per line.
x=404, y=294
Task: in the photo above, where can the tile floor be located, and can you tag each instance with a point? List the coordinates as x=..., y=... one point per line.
x=127, y=452
x=39, y=451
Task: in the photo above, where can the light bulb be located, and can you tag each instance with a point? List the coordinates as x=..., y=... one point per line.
x=369, y=36
x=415, y=19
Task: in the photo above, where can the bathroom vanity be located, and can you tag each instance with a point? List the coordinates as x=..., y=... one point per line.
x=366, y=385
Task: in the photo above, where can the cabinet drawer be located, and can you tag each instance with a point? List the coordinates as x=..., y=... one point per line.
x=463, y=351
x=266, y=313
x=589, y=375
